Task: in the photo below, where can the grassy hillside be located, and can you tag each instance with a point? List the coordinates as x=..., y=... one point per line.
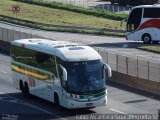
x=78, y=9
x=55, y=16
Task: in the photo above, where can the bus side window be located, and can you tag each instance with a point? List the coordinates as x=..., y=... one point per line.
x=41, y=57
x=46, y=62
x=151, y=13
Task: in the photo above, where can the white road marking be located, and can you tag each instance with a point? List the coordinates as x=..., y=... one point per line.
x=14, y=101
x=117, y=111
x=3, y=71
x=1, y=93
x=36, y=107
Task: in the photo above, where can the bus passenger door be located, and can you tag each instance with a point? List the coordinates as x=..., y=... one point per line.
x=48, y=91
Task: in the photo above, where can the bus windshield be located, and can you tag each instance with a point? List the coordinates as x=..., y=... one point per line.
x=134, y=19
x=85, y=77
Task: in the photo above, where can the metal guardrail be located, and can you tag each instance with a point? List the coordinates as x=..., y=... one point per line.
x=137, y=67
x=8, y=35
x=95, y=4
x=140, y=68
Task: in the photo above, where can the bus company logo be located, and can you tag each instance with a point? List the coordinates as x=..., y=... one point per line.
x=89, y=98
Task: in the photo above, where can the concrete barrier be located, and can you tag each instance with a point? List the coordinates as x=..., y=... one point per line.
x=143, y=69
x=112, y=61
x=132, y=66
x=122, y=64
x=154, y=71
x=135, y=82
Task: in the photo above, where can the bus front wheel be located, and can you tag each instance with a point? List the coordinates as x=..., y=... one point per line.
x=146, y=38
x=56, y=100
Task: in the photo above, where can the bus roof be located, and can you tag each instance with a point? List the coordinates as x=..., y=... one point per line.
x=67, y=51
x=147, y=6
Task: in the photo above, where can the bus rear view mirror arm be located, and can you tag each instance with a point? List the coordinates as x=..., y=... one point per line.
x=64, y=73
x=109, y=70
x=122, y=21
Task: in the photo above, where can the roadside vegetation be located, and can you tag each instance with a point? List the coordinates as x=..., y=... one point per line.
x=151, y=48
x=63, y=15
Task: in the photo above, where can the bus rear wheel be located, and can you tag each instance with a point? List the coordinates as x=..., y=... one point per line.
x=21, y=86
x=26, y=90
x=146, y=38
x=122, y=2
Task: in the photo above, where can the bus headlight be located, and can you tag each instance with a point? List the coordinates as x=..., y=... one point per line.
x=74, y=96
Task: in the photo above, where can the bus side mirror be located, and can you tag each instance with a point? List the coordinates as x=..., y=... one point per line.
x=64, y=71
x=106, y=67
x=122, y=22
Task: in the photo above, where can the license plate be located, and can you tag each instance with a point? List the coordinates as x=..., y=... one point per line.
x=89, y=104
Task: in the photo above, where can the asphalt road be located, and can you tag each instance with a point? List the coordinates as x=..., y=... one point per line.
x=122, y=101
x=117, y=44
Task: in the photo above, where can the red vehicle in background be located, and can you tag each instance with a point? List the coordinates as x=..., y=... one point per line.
x=134, y=2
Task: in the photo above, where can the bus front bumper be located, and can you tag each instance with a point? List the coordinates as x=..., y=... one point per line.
x=73, y=104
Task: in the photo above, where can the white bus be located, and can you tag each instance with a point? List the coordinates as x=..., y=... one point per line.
x=65, y=73
x=143, y=24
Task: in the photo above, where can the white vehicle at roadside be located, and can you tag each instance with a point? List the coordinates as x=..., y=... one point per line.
x=143, y=24
x=65, y=73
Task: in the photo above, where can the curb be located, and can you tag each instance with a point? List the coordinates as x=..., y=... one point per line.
x=148, y=50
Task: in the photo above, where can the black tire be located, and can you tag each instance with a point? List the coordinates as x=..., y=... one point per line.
x=155, y=42
x=21, y=85
x=56, y=100
x=122, y=2
x=134, y=3
x=112, y=2
x=26, y=90
x=146, y=38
